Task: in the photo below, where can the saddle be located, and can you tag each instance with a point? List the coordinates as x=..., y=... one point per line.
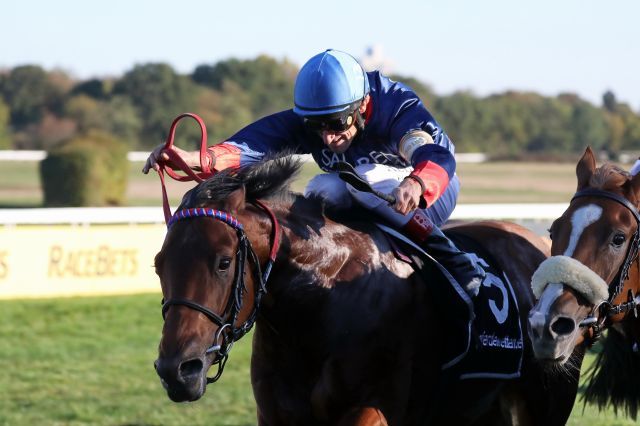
x=484, y=334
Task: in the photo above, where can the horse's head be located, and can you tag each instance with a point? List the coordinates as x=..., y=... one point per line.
x=198, y=267
x=582, y=284
x=211, y=276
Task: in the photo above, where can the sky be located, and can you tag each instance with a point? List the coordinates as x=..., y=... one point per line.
x=485, y=46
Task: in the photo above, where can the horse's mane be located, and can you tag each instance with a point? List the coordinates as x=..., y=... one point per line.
x=609, y=176
x=265, y=179
x=611, y=379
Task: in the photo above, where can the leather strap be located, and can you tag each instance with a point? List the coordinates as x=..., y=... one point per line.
x=206, y=161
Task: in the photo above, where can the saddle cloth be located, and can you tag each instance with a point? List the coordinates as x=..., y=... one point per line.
x=483, y=334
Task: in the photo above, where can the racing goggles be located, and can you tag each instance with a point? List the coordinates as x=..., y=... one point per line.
x=330, y=123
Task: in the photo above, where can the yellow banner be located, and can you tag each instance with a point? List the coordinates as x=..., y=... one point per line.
x=65, y=260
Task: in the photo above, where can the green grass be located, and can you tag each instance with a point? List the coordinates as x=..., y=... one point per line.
x=88, y=361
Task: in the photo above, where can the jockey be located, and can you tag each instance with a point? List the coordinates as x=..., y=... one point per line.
x=379, y=126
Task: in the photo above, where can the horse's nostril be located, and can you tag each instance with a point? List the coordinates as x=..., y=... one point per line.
x=192, y=367
x=563, y=326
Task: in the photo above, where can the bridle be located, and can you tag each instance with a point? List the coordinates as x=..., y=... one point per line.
x=227, y=332
x=604, y=310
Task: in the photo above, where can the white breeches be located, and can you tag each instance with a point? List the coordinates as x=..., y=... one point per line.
x=383, y=178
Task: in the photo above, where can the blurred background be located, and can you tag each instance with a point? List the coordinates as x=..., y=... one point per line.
x=88, y=88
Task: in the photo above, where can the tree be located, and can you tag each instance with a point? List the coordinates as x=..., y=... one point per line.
x=268, y=83
x=590, y=128
x=553, y=133
x=121, y=119
x=158, y=94
x=94, y=88
x=459, y=114
x=631, y=136
x=29, y=93
x=115, y=116
x=615, y=131
x=85, y=111
x=609, y=101
x=234, y=109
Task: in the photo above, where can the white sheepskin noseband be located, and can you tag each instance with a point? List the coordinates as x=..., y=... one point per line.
x=571, y=272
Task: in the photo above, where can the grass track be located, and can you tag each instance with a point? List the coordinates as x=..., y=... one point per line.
x=88, y=361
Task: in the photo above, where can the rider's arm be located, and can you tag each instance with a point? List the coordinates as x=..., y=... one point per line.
x=271, y=134
x=423, y=144
x=433, y=164
x=274, y=133
x=416, y=136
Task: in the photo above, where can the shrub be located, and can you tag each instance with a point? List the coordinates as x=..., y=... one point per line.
x=89, y=170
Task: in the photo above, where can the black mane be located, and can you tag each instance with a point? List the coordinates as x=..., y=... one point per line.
x=265, y=179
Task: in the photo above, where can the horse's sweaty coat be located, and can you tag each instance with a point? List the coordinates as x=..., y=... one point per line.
x=346, y=333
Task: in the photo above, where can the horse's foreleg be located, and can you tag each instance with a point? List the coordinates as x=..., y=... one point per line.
x=364, y=416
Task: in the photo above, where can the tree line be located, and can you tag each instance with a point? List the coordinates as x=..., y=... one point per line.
x=42, y=109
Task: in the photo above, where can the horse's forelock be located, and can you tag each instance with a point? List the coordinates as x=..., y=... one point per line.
x=608, y=177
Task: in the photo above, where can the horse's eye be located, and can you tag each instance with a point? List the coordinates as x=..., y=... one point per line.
x=618, y=239
x=224, y=264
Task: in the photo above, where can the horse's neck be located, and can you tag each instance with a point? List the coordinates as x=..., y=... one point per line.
x=315, y=248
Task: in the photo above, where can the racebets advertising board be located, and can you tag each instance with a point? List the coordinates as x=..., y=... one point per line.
x=75, y=260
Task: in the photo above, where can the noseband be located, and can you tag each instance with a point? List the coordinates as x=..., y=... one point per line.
x=227, y=332
x=605, y=309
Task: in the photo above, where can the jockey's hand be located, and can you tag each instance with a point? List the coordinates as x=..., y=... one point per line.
x=159, y=156
x=407, y=195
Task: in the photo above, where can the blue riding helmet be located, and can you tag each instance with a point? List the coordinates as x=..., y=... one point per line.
x=329, y=83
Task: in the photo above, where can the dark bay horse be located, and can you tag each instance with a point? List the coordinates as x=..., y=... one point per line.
x=590, y=284
x=346, y=333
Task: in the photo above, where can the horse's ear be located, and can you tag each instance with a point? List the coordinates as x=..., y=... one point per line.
x=235, y=201
x=586, y=168
x=635, y=185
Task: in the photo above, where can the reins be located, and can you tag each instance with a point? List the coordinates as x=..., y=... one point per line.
x=606, y=309
x=227, y=332
x=205, y=161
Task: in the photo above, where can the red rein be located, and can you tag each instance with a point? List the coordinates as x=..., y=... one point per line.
x=205, y=161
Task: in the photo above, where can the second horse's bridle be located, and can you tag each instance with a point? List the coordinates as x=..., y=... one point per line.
x=605, y=309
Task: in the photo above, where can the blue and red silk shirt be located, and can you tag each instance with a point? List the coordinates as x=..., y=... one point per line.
x=394, y=111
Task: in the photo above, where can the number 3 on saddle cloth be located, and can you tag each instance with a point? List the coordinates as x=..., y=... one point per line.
x=482, y=336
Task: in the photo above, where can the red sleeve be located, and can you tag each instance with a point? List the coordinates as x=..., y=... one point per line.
x=435, y=179
x=226, y=156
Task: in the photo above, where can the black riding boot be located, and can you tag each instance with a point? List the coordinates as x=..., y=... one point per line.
x=464, y=269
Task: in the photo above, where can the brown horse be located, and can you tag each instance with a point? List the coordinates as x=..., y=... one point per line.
x=590, y=284
x=346, y=332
